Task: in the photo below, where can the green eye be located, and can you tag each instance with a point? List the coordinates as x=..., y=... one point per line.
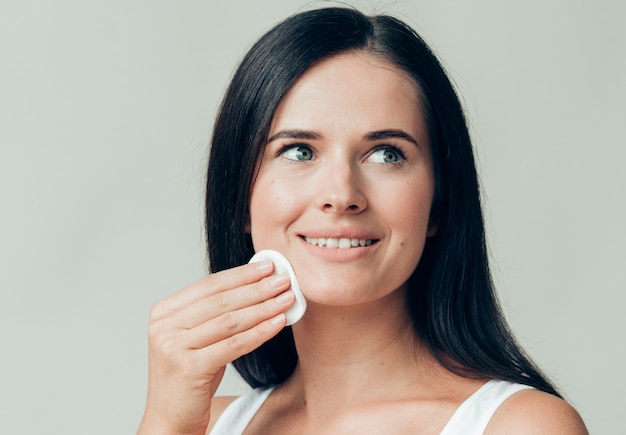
x=298, y=153
x=386, y=155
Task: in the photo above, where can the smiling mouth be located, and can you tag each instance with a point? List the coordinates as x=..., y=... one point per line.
x=333, y=243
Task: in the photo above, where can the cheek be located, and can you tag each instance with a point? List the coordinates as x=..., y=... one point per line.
x=408, y=206
x=410, y=216
x=272, y=205
x=261, y=199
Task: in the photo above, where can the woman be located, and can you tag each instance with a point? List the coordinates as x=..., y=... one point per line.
x=341, y=144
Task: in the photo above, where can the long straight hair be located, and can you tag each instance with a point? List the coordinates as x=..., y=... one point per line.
x=451, y=298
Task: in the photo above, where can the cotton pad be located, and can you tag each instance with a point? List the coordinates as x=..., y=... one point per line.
x=281, y=264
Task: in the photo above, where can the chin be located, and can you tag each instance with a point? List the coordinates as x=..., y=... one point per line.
x=338, y=293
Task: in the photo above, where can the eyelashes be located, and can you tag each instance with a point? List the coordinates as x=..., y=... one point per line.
x=382, y=154
x=387, y=154
x=297, y=152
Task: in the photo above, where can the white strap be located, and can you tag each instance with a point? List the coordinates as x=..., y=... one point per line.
x=238, y=414
x=474, y=414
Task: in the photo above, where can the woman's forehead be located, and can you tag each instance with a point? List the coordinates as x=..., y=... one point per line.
x=348, y=90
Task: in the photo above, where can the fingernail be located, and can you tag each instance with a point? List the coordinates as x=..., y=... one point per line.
x=264, y=266
x=280, y=280
x=285, y=297
x=278, y=319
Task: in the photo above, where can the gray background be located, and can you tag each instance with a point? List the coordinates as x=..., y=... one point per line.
x=105, y=112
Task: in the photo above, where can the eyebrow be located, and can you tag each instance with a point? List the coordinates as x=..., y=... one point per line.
x=372, y=136
x=390, y=134
x=295, y=134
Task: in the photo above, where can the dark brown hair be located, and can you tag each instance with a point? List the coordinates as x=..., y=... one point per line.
x=450, y=295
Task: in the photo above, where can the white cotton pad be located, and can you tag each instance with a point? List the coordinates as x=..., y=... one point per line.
x=281, y=264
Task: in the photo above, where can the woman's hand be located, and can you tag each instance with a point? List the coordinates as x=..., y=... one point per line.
x=193, y=335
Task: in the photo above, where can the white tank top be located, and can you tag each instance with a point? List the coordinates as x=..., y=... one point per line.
x=471, y=418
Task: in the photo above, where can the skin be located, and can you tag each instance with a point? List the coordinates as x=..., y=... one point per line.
x=347, y=157
x=193, y=335
x=346, y=188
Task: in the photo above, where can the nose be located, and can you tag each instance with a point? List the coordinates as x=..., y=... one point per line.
x=340, y=190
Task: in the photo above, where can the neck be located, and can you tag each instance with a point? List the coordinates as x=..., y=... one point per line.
x=359, y=353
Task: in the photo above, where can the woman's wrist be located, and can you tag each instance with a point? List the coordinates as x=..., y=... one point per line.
x=157, y=426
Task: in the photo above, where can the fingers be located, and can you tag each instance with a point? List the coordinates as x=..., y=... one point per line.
x=245, y=342
x=237, y=323
x=229, y=301
x=213, y=284
x=202, y=351
x=208, y=312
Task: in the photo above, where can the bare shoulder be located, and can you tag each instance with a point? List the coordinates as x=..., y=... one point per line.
x=535, y=412
x=218, y=405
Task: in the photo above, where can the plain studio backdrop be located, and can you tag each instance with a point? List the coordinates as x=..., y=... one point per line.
x=106, y=109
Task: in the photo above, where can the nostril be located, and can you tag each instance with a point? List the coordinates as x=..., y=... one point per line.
x=352, y=208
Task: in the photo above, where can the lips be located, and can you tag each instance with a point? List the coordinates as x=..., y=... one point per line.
x=338, y=243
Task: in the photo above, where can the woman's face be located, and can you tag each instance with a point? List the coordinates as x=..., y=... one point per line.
x=345, y=185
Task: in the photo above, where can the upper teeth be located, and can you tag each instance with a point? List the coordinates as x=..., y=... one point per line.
x=329, y=242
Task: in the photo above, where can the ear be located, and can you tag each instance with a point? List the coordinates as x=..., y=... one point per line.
x=433, y=219
x=247, y=226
